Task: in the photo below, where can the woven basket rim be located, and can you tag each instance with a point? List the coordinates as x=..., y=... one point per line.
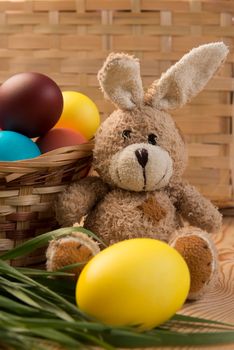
x=58, y=157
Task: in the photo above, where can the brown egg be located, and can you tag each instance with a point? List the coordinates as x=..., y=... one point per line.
x=59, y=137
x=30, y=103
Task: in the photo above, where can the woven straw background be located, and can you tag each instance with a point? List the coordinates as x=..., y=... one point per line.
x=69, y=40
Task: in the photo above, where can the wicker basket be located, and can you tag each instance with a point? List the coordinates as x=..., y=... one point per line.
x=69, y=39
x=27, y=192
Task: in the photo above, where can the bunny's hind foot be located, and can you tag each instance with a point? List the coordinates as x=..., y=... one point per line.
x=74, y=248
x=200, y=255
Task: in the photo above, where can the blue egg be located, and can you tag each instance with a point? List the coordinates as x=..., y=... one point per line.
x=14, y=146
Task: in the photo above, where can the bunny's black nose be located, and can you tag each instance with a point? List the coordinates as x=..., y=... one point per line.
x=142, y=156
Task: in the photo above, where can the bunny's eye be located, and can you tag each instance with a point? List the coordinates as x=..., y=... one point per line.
x=126, y=134
x=152, y=139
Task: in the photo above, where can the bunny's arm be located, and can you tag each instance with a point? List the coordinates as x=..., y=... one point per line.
x=196, y=209
x=78, y=199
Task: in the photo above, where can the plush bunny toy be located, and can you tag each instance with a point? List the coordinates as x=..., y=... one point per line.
x=140, y=156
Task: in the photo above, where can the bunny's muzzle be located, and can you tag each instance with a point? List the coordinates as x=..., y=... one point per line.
x=141, y=167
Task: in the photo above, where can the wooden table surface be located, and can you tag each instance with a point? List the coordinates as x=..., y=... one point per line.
x=218, y=304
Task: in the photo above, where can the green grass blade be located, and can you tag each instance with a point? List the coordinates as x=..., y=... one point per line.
x=20, y=295
x=42, y=240
x=33, y=322
x=167, y=338
x=73, y=329
x=50, y=306
x=43, y=273
x=91, y=234
x=17, y=325
x=196, y=326
x=16, y=342
x=94, y=340
x=39, y=303
x=16, y=307
x=56, y=336
x=10, y=283
x=72, y=266
x=193, y=319
x=65, y=290
x=31, y=298
x=12, y=272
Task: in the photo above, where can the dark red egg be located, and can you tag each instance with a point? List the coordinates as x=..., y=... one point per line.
x=59, y=137
x=30, y=104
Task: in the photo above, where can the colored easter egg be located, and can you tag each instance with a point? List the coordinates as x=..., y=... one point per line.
x=135, y=282
x=30, y=103
x=59, y=137
x=79, y=113
x=15, y=146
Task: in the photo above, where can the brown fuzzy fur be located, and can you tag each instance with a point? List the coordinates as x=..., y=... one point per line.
x=142, y=122
x=78, y=199
x=122, y=215
x=117, y=205
x=196, y=209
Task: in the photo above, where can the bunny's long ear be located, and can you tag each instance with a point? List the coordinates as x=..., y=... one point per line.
x=120, y=80
x=187, y=77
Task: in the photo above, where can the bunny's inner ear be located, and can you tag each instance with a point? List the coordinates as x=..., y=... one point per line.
x=120, y=80
x=187, y=77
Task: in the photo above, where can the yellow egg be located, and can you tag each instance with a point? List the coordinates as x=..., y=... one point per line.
x=79, y=113
x=139, y=281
